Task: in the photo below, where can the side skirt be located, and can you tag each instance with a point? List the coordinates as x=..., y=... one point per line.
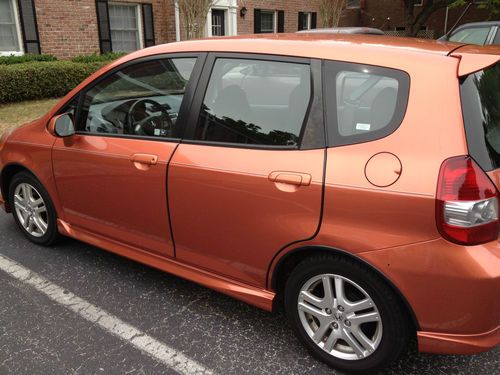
x=260, y=298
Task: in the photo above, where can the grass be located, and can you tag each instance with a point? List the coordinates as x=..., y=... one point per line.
x=15, y=114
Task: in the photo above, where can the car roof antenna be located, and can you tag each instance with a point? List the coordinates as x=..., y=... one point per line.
x=448, y=34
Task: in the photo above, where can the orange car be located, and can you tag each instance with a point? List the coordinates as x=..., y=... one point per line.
x=352, y=178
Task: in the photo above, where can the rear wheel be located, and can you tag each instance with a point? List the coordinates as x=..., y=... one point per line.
x=345, y=314
x=33, y=209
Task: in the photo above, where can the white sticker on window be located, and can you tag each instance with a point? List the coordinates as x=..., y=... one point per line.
x=361, y=126
x=157, y=132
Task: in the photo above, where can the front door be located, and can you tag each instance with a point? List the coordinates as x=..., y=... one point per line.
x=218, y=22
x=242, y=187
x=112, y=175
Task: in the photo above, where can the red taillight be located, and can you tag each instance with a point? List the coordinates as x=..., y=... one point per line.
x=466, y=203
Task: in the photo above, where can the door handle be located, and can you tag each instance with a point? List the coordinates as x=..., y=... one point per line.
x=291, y=178
x=147, y=159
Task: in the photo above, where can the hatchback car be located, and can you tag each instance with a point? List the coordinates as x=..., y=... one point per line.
x=351, y=179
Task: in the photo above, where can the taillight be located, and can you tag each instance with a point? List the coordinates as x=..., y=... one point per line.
x=466, y=203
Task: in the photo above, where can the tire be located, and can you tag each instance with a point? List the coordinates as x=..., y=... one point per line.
x=33, y=209
x=314, y=317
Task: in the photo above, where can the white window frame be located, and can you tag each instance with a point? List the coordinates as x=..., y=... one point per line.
x=20, y=42
x=231, y=17
x=358, y=6
x=275, y=20
x=309, y=20
x=138, y=13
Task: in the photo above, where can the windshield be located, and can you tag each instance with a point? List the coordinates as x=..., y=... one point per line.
x=481, y=110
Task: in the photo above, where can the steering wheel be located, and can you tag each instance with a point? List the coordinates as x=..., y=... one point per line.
x=151, y=125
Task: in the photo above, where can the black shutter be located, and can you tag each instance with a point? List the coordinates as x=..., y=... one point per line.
x=29, y=26
x=256, y=21
x=301, y=21
x=281, y=21
x=148, y=24
x=314, y=20
x=103, y=26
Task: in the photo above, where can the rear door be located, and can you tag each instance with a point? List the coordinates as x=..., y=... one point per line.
x=248, y=178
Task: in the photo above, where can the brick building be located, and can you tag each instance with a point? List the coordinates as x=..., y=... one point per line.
x=67, y=28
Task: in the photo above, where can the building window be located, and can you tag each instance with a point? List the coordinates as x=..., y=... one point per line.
x=305, y=21
x=267, y=21
x=124, y=22
x=418, y=3
x=218, y=22
x=9, y=28
x=353, y=4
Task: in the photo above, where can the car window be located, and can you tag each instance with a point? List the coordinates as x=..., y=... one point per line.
x=475, y=35
x=255, y=102
x=143, y=99
x=497, y=37
x=481, y=111
x=363, y=102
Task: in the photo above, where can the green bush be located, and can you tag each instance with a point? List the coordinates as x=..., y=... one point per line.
x=37, y=80
x=10, y=60
x=98, y=58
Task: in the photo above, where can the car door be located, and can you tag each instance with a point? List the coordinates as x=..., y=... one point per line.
x=248, y=178
x=111, y=176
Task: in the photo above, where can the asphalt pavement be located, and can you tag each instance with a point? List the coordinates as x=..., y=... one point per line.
x=38, y=335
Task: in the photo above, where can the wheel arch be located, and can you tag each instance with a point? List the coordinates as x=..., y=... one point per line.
x=291, y=259
x=8, y=172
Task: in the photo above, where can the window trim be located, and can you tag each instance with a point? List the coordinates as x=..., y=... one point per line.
x=347, y=6
x=183, y=111
x=17, y=24
x=313, y=112
x=330, y=70
x=139, y=23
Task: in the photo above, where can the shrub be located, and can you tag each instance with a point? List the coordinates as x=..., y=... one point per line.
x=110, y=56
x=10, y=60
x=42, y=80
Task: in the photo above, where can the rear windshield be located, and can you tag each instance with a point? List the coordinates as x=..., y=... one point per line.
x=481, y=110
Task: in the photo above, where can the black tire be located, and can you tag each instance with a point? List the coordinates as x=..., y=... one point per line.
x=51, y=235
x=396, y=331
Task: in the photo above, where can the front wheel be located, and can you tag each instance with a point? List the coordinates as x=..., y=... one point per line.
x=345, y=314
x=33, y=210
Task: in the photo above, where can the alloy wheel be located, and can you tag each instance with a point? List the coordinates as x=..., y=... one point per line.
x=31, y=210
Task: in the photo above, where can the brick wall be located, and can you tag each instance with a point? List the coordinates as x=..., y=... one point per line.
x=291, y=8
x=68, y=28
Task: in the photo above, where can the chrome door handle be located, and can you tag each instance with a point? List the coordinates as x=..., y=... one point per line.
x=147, y=159
x=291, y=178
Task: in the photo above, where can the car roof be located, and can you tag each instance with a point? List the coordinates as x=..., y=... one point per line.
x=478, y=24
x=312, y=45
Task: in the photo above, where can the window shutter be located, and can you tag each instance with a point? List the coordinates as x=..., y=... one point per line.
x=103, y=26
x=314, y=20
x=281, y=21
x=256, y=21
x=29, y=26
x=148, y=24
x=301, y=21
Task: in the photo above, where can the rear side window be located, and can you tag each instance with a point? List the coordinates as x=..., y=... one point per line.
x=481, y=110
x=364, y=102
x=255, y=102
x=473, y=35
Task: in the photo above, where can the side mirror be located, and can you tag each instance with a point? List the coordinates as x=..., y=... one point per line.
x=62, y=126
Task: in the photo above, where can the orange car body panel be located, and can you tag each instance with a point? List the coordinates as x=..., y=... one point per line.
x=233, y=221
x=239, y=215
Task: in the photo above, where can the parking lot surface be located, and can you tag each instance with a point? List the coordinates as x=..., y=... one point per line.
x=41, y=335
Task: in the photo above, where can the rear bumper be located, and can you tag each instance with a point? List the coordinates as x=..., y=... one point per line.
x=440, y=343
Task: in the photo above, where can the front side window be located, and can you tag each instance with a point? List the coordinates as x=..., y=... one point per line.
x=124, y=25
x=142, y=100
x=9, y=40
x=255, y=102
x=364, y=102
